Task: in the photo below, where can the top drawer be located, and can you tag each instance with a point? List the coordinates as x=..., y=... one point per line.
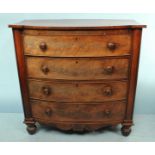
x=77, y=43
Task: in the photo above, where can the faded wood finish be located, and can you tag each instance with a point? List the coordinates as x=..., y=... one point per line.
x=134, y=72
x=77, y=68
x=77, y=24
x=128, y=122
x=77, y=46
x=78, y=74
x=77, y=91
x=29, y=120
x=76, y=32
x=56, y=111
x=22, y=71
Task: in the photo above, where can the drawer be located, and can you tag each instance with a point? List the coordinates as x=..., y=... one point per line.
x=77, y=68
x=52, y=111
x=81, y=45
x=77, y=91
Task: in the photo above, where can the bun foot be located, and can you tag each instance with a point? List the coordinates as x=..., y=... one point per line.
x=31, y=129
x=126, y=130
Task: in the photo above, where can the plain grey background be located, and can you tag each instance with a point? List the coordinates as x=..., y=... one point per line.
x=10, y=97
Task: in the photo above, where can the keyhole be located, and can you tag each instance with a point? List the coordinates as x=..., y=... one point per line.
x=76, y=62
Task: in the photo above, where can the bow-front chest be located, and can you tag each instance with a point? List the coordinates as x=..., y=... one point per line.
x=78, y=74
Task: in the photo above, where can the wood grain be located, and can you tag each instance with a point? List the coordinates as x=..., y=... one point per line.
x=76, y=32
x=77, y=46
x=77, y=68
x=22, y=73
x=77, y=91
x=133, y=73
x=78, y=74
x=78, y=112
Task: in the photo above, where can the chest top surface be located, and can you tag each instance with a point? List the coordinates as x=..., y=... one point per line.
x=77, y=24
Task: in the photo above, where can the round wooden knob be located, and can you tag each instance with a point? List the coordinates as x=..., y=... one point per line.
x=46, y=91
x=111, y=46
x=107, y=112
x=108, y=91
x=48, y=111
x=43, y=46
x=109, y=69
x=44, y=69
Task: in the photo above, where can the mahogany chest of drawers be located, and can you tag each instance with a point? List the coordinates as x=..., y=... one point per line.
x=78, y=74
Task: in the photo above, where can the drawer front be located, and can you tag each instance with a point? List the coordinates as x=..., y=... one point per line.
x=77, y=68
x=77, y=45
x=48, y=111
x=76, y=92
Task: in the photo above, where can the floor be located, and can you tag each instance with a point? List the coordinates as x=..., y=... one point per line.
x=12, y=129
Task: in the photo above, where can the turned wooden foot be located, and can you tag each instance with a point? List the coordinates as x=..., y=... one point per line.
x=126, y=130
x=31, y=128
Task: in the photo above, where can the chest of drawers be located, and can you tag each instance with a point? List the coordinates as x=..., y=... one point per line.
x=78, y=74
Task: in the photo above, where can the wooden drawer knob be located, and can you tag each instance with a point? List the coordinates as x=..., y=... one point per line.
x=45, y=69
x=48, y=111
x=108, y=91
x=111, y=46
x=46, y=91
x=109, y=69
x=43, y=46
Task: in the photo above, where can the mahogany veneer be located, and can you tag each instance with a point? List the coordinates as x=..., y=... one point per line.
x=78, y=74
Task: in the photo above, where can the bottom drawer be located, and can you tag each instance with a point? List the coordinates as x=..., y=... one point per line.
x=54, y=111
